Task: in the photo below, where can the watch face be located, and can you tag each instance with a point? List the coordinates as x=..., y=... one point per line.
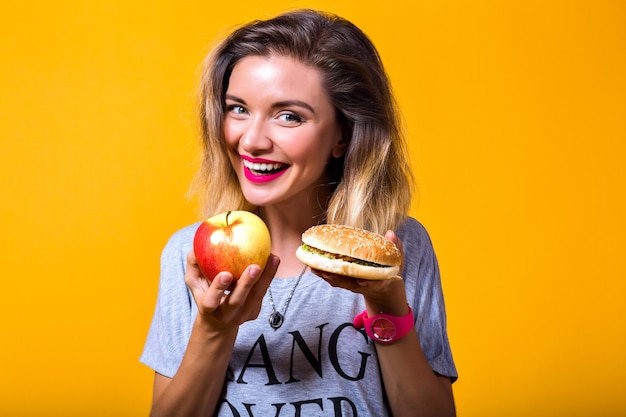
x=383, y=329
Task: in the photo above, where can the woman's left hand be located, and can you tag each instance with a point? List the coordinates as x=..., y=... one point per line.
x=381, y=296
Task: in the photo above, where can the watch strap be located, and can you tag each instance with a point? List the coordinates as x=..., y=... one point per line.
x=385, y=328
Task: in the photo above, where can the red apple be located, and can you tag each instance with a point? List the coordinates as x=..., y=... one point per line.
x=230, y=242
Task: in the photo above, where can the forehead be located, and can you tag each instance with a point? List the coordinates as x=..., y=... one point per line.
x=276, y=74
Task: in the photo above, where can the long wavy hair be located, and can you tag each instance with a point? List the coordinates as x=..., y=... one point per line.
x=372, y=182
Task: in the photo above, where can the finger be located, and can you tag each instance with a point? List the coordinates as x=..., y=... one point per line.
x=391, y=235
x=213, y=296
x=340, y=281
x=254, y=281
x=194, y=279
x=246, y=296
x=272, y=266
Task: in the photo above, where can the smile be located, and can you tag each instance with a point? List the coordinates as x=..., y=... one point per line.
x=262, y=171
x=262, y=168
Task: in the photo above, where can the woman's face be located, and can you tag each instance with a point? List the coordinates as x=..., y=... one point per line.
x=280, y=129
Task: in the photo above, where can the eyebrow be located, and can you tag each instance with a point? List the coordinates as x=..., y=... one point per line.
x=283, y=103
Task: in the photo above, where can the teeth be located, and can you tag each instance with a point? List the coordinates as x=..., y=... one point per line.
x=261, y=167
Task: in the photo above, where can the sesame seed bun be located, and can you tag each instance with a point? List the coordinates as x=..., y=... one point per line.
x=349, y=251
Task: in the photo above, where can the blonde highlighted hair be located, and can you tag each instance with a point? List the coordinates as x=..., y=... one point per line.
x=372, y=182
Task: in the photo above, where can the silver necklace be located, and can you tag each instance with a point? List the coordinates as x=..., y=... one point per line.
x=277, y=318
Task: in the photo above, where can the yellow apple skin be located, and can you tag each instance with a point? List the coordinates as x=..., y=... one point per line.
x=231, y=241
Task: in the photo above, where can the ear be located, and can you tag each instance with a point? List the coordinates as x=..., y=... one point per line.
x=340, y=147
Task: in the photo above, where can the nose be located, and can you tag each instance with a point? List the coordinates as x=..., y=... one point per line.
x=255, y=137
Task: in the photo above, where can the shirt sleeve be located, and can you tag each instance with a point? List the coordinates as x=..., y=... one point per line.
x=175, y=308
x=425, y=294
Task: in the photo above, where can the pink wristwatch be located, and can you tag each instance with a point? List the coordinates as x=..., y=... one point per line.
x=384, y=328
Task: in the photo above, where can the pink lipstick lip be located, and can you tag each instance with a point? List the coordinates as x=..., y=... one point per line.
x=261, y=179
x=259, y=160
x=264, y=178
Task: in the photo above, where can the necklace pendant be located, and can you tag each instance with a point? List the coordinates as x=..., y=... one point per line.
x=276, y=320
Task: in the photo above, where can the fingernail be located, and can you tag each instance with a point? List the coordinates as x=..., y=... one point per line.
x=272, y=262
x=225, y=279
x=255, y=271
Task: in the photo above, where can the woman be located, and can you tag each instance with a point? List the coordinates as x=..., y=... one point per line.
x=299, y=125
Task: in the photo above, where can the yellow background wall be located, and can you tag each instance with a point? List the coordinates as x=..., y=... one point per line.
x=517, y=117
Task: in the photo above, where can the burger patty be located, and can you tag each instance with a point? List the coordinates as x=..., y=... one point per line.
x=341, y=257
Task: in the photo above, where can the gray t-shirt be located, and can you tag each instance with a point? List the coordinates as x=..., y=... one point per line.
x=317, y=363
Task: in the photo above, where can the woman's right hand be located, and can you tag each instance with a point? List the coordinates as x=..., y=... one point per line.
x=226, y=303
x=223, y=304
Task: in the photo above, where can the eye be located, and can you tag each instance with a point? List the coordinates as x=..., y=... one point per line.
x=289, y=117
x=236, y=109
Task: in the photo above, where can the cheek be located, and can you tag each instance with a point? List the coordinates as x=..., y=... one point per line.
x=231, y=141
x=307, y=150
x=314, y=158
x=231, y=135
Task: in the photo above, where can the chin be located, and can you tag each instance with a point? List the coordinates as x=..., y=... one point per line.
x=259, y=198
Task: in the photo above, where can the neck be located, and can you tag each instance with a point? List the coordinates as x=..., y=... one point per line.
x=286, y=225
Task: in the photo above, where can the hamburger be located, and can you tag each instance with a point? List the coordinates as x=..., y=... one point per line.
x=349, y=251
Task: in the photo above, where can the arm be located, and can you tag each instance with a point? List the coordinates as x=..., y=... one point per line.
x=409, y=380
x=411, y=384
x=198, y=383
x=196, y=387
x=412, y=387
